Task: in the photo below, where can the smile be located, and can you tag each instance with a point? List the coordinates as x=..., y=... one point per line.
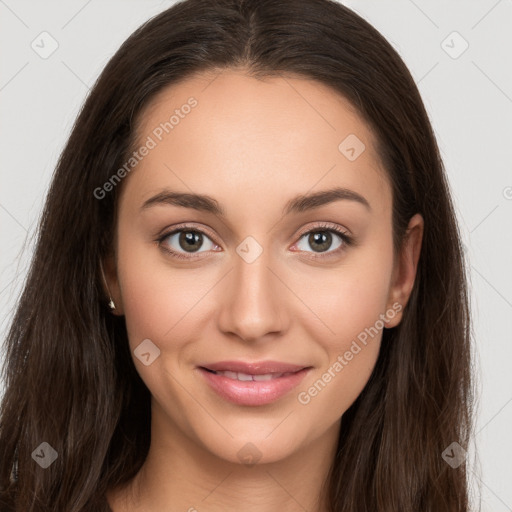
x=251, y=389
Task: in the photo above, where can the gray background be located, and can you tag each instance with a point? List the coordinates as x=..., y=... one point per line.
x=468, y=96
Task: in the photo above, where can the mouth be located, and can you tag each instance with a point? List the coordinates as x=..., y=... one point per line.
x=253, y=384
x=244, y=377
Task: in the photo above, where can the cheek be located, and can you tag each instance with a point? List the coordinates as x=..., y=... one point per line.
x=350, y=304
x=161, y=303
x=349, y=298
x=350, y=351
x=150, y=305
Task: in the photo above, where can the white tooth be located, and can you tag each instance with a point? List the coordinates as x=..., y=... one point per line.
x=244, y=376
x=247, y=377
x=267, y=376
x=230, y=375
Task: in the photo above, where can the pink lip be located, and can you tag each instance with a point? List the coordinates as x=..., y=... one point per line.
x=253, y=392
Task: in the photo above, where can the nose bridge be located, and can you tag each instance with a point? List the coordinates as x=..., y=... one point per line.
x=253, y=305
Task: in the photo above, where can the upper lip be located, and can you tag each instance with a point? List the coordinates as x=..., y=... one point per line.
x=254, y=368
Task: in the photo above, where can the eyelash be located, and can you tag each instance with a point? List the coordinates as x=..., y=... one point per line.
x=347, y=240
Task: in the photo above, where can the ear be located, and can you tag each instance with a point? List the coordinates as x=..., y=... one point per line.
x=405, y=267
x=111, y=284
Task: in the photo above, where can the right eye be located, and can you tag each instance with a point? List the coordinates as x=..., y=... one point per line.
x=183, y=240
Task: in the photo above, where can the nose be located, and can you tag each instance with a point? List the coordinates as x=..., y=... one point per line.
x=253, y=301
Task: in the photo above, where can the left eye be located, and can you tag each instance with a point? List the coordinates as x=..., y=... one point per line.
x=322, y=239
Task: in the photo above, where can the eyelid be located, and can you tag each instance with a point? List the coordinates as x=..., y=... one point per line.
x=184, y=226
x=324, y=225
x=209, y=232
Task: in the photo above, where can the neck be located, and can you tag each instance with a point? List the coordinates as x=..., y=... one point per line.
x=181, y=474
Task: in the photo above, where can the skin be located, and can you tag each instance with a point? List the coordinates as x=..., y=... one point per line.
x=252, y=145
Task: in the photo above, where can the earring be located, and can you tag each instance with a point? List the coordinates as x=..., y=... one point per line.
x=111, y=304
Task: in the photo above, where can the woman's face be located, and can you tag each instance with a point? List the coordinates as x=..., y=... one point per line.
x=258, y=272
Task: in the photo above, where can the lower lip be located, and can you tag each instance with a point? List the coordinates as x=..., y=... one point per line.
x=253, y=392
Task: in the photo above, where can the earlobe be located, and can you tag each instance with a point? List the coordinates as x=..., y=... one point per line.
x=404, y=273
x=109, y=283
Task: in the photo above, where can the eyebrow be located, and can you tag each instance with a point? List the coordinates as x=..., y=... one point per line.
x=298, y=204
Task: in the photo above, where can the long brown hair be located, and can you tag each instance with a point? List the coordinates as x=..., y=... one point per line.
x=69, y=377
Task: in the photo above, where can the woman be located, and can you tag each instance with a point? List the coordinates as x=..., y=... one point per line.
x=248, y=287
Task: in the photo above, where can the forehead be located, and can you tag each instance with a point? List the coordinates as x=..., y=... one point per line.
x=259, y=136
